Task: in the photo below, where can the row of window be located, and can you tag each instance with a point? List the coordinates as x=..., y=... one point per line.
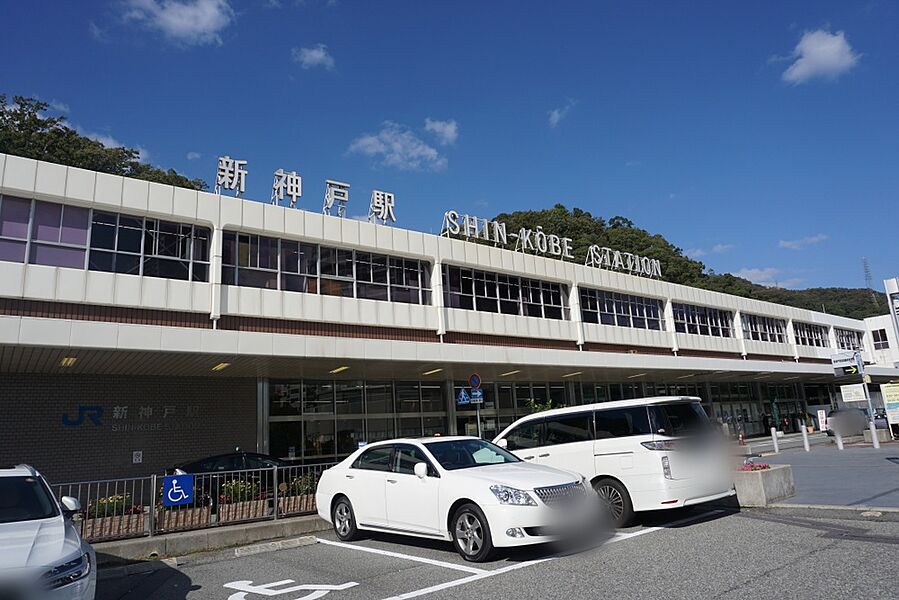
x=622, y=310
x=45, y=233
x=490, y=292
x=263, y=262
x=702, y=320
x=764, y=329
x=808, y=334
x=848, y=339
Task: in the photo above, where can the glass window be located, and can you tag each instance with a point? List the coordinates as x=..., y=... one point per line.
x=848, y=339
x=57, y=256
x=318, y=397
x=348, y=396
x=319, y=438
x=14, y=215
x=527, y=435
x=622, y=310
x=406, y=457
x=764, y=329
x=285, y=439
x=879, y=337
x=808, y=334
x=621, y=422
x=465, y=454
x=375, y=459
x=491, y=292
x=379, y=397
x=434, y=426
x=380, y=429
x=407, y=397
x=567, y=429
x=687, y=418
x=349, y=433
x=285, y=399
x=702, y=320
x=26, y=499
x=432, y=397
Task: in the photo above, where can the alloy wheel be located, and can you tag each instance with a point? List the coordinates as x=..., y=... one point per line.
x=469, y=533
x=612, y=500
x=343, y=519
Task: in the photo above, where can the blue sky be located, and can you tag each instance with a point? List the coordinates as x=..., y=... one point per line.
x=761, y=137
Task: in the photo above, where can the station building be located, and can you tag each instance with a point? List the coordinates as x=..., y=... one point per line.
x=142, y=325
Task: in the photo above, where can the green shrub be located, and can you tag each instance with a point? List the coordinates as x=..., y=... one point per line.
x=302, y=485
x=118, y=504
x=238, y=490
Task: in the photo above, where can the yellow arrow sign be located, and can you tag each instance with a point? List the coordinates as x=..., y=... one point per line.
x=853, y=370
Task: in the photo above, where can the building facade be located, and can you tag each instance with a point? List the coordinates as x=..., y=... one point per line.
x=174, y=324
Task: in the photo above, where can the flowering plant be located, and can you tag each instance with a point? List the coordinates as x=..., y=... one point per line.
x=754, y=467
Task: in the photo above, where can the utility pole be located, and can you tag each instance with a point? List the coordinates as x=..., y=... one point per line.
x=867, y=268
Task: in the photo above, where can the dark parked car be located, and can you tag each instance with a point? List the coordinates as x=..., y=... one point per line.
x=235, y=461
x=847, y=421
x=233, y=477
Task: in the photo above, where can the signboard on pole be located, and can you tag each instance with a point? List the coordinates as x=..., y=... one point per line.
x=853, y=393
x=474, y=381
x=463, y=399
x=847, y=363
x=477, y=396
x=890, y=393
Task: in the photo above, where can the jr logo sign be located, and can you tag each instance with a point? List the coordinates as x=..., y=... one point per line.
x=92, y=413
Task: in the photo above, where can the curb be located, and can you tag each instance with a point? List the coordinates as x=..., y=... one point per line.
x=861, y=509
x=241, y=551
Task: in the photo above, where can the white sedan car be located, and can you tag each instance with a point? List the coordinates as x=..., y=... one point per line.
x=460, y=489
x=41, y=553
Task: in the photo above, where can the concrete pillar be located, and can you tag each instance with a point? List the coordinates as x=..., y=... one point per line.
x=738, y=332
x=450, y=407
x=215, y=274
x=437, y=296
x=791, y=339
x=574, y=306
x=669, y=324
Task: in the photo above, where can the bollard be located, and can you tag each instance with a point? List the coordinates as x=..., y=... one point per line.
x=774, y=439
x=873, y=429
x=839, y=438
x=804, y=434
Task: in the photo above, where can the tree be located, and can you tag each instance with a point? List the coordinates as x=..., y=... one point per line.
x=622, y=234
x=26, y=130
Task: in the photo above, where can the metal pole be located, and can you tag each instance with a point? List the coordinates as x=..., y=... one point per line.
x=804, y=434
x=839, y=439
x=871, y=424
x=774, y=440
x=873, y=429
x=275, y=494
x=478, y=413
x=152, y=520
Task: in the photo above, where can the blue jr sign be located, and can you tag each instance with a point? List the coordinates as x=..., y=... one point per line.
x=177, y=490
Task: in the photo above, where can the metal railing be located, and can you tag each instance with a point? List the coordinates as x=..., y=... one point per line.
x=133, y=507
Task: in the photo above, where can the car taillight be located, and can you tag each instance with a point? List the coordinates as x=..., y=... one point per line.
x=666, y=467
x=660, y=445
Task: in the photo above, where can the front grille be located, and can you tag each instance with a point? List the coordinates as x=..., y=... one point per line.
x=560, y=495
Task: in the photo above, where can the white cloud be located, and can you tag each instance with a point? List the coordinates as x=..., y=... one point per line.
x=191, y=22
x=694, y=252
x=802, y=242
x=143, y=155
x=310, y=58
x=557, y=114
x=59, y=106
x=447, y=132
x=768, y=277
x=397, y=146
x=820, y=54
x=722, y=248
x=193, y=155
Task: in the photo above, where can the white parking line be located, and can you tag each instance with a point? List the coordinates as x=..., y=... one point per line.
x=469, y=579
x=429, y=561
x=620, y=537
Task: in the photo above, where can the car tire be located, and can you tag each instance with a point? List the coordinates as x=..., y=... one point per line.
x=344, y=520
x=616, y=501
x=471, y=533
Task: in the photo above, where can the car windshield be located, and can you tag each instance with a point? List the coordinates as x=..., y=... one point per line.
x=25, y=499
x=687, y=418
x=464, y=454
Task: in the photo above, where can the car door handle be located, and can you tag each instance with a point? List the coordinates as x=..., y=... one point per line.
x=391, y=481
x=543, y=455
x=528, y=458
x=350, y=476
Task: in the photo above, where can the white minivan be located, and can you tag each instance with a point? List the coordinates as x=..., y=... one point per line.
x=643, y=454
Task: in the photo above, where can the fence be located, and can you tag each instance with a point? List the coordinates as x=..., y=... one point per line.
x=126, y=508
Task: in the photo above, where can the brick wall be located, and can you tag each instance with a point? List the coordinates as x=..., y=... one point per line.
x=79, y=427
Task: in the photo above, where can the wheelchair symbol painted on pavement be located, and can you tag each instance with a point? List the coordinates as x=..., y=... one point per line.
x=268, y=589
x=177, y=490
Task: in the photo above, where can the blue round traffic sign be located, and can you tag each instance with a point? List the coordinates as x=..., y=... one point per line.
x=474, y=381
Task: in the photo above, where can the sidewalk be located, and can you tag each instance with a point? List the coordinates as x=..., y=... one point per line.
x=761, y=445
x=856, y=477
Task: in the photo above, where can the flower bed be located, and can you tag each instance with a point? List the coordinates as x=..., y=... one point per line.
x=754, y=467
x=761, y=484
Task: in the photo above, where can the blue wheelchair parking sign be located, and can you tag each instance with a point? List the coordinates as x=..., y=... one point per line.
x=177, y=490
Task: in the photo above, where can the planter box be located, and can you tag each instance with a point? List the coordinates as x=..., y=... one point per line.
x=104, y=528
x=295, y=505
x=174, y=519
x=883, y=435
x=249, y=510
x=761, y=488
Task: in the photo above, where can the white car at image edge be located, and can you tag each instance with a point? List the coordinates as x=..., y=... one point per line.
x=41, y=553
x=460, y=489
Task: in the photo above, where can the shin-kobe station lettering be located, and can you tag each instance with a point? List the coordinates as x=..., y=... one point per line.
x=536, y=241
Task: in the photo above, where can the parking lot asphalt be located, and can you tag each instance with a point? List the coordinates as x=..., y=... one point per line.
x=704, y=552
x=856, y=476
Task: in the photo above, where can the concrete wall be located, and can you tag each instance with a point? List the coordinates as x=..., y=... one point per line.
x=168, y=419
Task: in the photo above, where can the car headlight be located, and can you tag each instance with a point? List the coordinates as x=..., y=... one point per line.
x=509, y=495
x=67, y=573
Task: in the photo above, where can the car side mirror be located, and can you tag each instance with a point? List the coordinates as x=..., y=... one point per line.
x=70, y=505
x=421, y=470
x=503, y=443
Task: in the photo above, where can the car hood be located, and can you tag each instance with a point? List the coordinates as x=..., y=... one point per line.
x=41, y=543
x=522, y=475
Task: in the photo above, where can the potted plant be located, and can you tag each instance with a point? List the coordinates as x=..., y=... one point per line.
x=241, y=500
x=809, y=423
x=297, y=495
x=763, y=484
x=111, y=517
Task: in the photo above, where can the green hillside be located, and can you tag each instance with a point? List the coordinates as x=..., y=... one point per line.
x=621, y=234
